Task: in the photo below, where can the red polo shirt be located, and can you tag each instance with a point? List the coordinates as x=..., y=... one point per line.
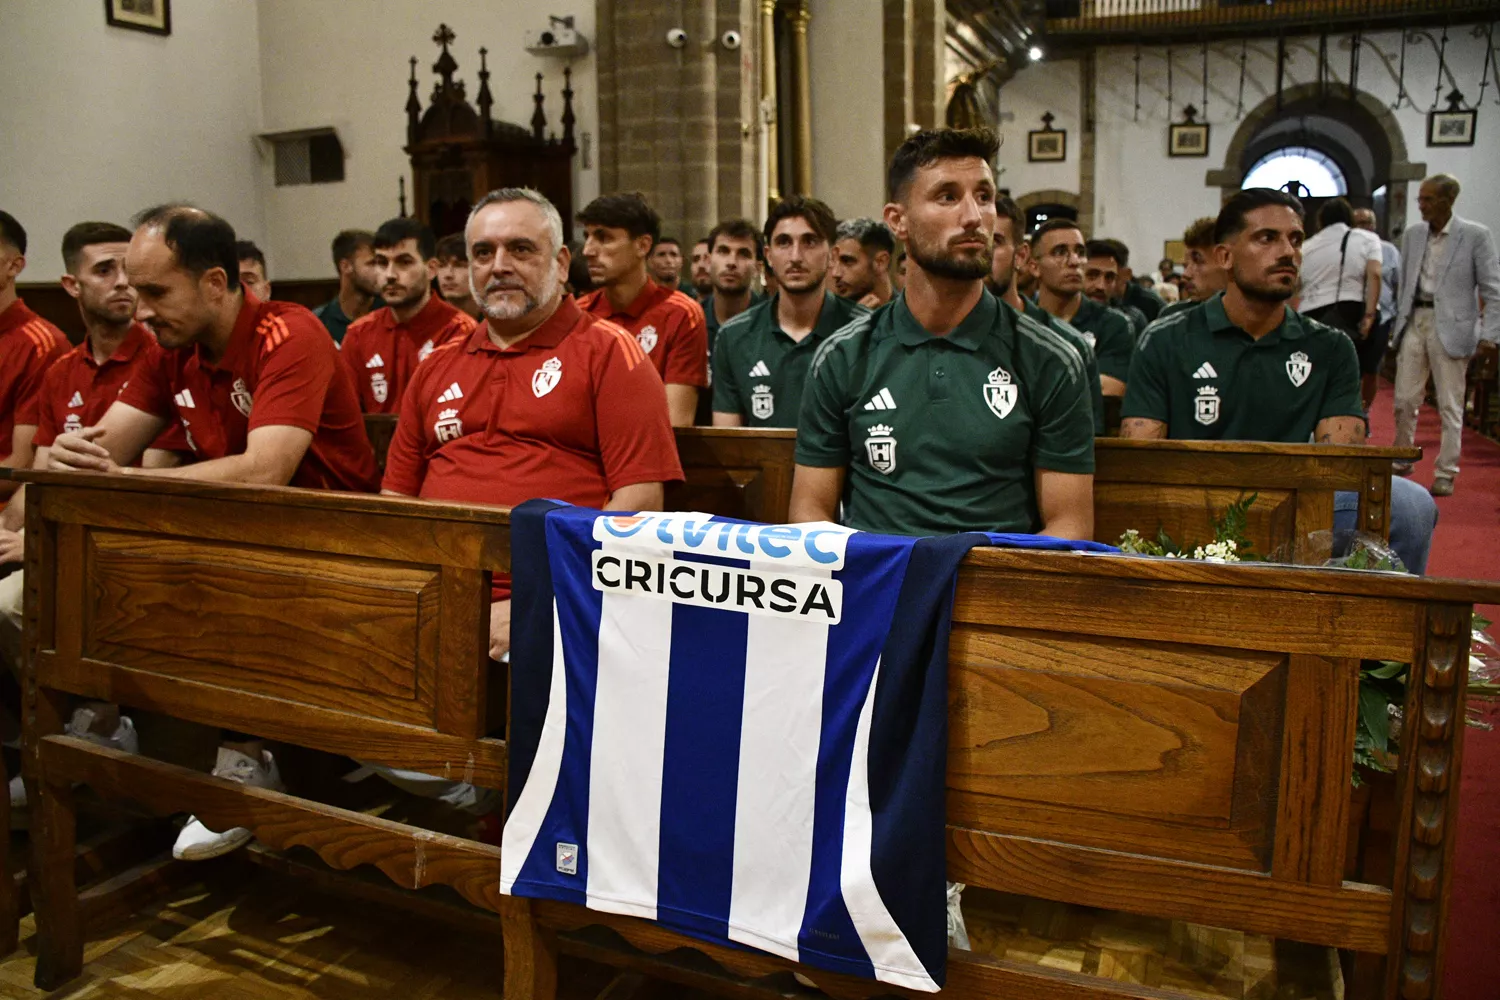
x=77, y=390
x=280, y=369
x=28, y=346
x=668, y=325
x=381, y=353
x=573, y=412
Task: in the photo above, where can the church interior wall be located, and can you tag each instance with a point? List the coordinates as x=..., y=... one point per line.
x=844, y=41
x=1045, y=87
x=125, y=120
x=315, y=71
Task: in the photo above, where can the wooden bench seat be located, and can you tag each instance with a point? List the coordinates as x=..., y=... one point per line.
x=1166, y=739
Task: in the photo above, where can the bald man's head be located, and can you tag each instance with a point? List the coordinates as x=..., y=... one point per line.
x=1364, y=218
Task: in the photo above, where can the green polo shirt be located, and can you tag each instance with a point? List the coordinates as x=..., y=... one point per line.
x=1109, y=334
x=760, y=372
x=945, y=434
x=1208, y=380
x=1085, y=350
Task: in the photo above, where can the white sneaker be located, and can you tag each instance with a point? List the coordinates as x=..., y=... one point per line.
x=197, y=842
x=124, y=738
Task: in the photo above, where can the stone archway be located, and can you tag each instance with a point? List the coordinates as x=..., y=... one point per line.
x=1055, y=196
x=1376, y=116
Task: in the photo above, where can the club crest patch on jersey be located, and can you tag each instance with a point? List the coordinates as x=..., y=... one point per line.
x=646, y=338
x=448, y=426
x=1298, y=367
x=241, y=398
x=880, y=446
x=1206, y=406
x=73, y=424
x=1000, y=393
x=1090, y=339
x=762, y=402
x=379, y=387
x=545, y=378
x=424, y=350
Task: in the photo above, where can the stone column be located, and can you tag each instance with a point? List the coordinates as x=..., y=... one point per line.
x=798, y=15
x=768, y=157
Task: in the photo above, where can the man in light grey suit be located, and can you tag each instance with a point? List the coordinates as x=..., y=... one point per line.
x=1447, y=265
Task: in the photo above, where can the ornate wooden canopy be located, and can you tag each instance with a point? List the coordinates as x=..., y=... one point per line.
x=459, y=153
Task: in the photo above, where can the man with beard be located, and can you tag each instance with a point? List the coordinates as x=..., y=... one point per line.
x=543, y=399
x=28, y=346
x=734, y=259
x=260, y=395
x=1245, y=366
x=944, y=411
x=862, y=252
x=382, y=349
x=761, y=356
x=1134, y=292
x=702, y=270
x=453, y=275
x=665, y=262
x=619, y=232
x=1101, y=281
x=1011, y=255
x=359, y=283
x=1058, y=253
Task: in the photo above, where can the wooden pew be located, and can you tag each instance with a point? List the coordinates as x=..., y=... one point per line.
x=1171, y=739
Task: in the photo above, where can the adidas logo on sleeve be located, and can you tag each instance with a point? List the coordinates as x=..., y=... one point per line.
x=450, y=394
x=882, y=400
x=1205, y=370
x=760, y=370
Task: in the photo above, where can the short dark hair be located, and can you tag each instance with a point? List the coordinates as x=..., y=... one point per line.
x=666, y=239
x=1231, y=220
x=246, y=250
x=1006, y=208
x=1199, y=235
x=451, y=247
x=1103, y=248
x=817, y=215
x=393, y=232
x=736, y=229
x=1122, y=252
x=200, y=240
x=12, y=232
x=703, y=240
x=933, y=144
x=872, y=235
x=628, y=211
x=1335, y=210
x=1052, y=226
x=350, y=242
x=87, y=234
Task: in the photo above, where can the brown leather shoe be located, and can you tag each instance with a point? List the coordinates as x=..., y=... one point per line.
x=1442, y=486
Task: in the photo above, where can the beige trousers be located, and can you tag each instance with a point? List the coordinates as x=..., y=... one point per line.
x=1422, y=354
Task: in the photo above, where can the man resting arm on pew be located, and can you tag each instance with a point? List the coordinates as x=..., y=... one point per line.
x=944, y=410
x=542, y=399
x=259, y=392
x=1244, y=366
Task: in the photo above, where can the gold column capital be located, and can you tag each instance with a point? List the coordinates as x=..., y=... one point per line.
x=798, y=13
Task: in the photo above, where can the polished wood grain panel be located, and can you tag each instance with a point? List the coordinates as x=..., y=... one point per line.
x=735, y=472
x=1318, y=745
x=1187, y=513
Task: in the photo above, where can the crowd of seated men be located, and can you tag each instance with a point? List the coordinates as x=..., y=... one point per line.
x=955, y=385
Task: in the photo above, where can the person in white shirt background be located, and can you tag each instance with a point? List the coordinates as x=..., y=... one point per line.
x=1341, y=268
x=1390, y=283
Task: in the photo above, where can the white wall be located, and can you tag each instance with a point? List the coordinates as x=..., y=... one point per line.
x=846, y=51
x=1145, y=197
x=1039, y=88
x=344, y=63
x=99, y=122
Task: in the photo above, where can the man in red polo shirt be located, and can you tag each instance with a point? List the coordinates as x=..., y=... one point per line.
x=619, y=231
x=383, y=348
x=28, y=346
x=261, y=397
x=542, y=400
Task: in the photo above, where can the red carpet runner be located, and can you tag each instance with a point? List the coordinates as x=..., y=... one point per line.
x=1465, y=546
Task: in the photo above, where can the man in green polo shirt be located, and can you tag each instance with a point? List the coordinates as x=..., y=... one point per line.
x=944, y=410
x=1244, y=366
x=1011, y=255
x=761, y=357
x=1058, y=254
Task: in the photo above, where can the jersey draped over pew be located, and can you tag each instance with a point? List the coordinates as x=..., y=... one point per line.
x=1163, y=738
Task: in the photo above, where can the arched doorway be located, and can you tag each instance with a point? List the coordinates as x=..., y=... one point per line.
x=1051, y=203
x=1353, y=136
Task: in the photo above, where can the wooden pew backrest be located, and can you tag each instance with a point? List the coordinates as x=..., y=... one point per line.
x=732, y=472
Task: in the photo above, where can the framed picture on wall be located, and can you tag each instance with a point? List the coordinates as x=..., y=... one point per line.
x=154, y=16
x=1188, y=139
x=1047, y=144
x=1451, y=128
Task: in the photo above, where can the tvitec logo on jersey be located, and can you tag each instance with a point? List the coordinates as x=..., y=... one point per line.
x=789, y=573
